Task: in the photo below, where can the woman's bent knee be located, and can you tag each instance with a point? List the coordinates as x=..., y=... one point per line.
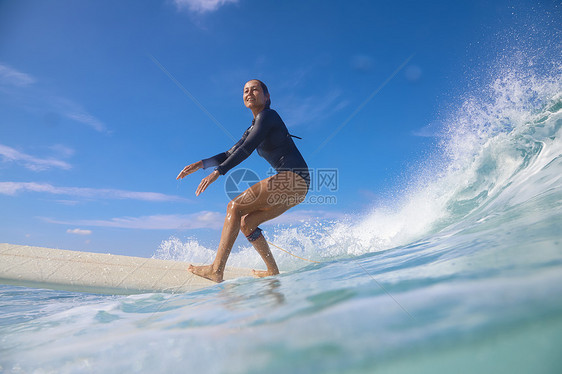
x=244, y=226
x=233, y=212
x=233, y=207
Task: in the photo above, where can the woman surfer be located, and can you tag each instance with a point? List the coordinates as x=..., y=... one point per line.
x=264, y=200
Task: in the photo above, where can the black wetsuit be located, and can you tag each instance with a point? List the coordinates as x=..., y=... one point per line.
x=269, y=135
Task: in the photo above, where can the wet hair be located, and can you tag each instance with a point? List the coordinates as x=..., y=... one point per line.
x=265, y=92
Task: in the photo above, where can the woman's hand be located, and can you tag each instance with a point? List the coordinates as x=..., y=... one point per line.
x=205, y=182
x=190, y=169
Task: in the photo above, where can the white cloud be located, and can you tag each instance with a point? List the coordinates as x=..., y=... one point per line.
x=302, y=110
x=428, y=131
x=68, y=202
x=199, y=220
x=9, y=154
x=76, y=112
x=202, y=6
x=86, y=119
x=79, y=232
x=20, y=88
x=12, y=77
x=12, y=188
x=62, y=150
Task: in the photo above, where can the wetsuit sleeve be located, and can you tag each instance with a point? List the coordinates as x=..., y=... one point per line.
x=249, y=142
x=216, y=160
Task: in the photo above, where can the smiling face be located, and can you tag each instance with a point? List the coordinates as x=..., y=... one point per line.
x=255, y=98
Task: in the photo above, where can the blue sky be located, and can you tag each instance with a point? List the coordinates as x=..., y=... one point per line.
x=102, y=103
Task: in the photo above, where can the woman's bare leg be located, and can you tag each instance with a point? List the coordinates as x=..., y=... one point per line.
x=230, y=229
x=261, y=246
x=249, y=223
x=255, y=206
x=247, y=201
x=252, y=220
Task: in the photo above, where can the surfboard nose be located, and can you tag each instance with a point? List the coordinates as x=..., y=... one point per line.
x=98, y=273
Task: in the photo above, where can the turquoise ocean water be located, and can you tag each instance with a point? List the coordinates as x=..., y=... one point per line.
x=461, y=274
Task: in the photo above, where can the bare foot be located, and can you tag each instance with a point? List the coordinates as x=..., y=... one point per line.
x=206, y=271
x=264, y=273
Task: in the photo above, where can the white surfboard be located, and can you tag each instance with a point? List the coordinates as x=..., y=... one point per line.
x=98, y=273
